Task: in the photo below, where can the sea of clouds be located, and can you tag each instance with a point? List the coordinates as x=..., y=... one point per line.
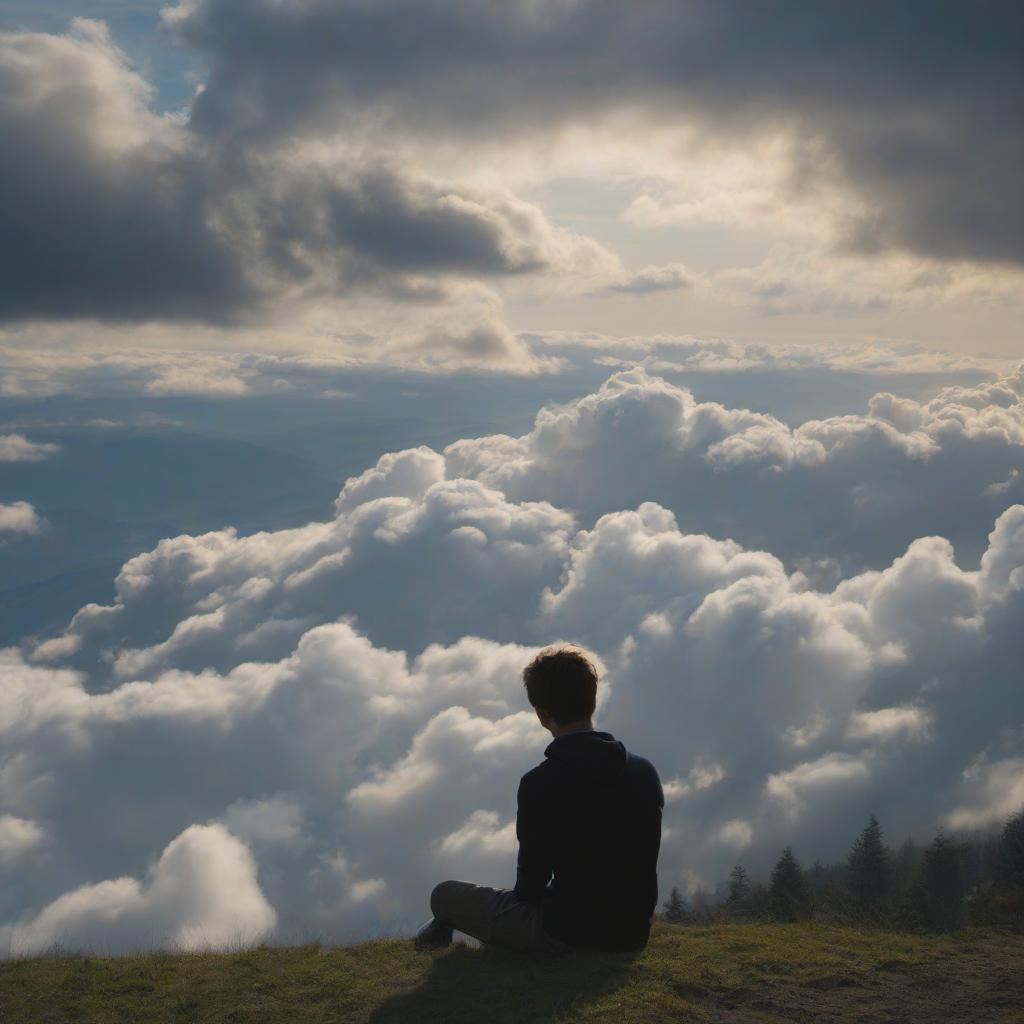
x=297, y=733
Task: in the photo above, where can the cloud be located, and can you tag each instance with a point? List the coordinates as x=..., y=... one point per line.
x=179, y=226
x=816, y=280
x=868, y=484
x=682, y=354
x=89, y=169
x=201, y=894
x=19, y=517
x=700, y=777
x=346, y=167
x=36, y=361
x=736, y=833
x=16, y=448
x=898, y=723
x=1002, y=486
x=827, y=775
x=933, y=176
x=350, y=691
x=18, y=838
x=472, y=339
x=998, y=792
x=276, y=820
x=670, y=277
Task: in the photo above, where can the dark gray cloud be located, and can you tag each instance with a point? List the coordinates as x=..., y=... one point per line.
x=114, y=213
x=104, y=213
x=918, y=105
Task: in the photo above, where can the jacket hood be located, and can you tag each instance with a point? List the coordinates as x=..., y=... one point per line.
x=597, y=755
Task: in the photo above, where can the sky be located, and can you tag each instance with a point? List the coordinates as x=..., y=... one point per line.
x=352, y=351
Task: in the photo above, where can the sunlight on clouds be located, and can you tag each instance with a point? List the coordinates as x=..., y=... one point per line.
x=800, y=568
x=389, y=712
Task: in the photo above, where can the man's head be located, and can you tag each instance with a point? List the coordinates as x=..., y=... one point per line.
x=561, y=684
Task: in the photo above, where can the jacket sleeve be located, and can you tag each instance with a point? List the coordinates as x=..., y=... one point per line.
x=535, y=863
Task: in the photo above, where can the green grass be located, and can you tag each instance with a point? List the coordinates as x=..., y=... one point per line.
x=721, y=973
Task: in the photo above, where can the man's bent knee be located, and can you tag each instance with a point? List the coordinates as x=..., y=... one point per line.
x=442, y=900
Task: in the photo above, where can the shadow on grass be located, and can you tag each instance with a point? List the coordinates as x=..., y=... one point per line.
x=494, y=986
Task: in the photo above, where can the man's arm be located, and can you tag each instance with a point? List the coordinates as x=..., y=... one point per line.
x=534, y=866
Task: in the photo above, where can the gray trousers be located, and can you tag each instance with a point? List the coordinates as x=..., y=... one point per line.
x=495, y=916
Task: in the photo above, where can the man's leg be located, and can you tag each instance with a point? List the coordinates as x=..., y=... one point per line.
x=494, y=916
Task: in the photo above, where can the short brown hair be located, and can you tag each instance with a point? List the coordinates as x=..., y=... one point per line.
x=562, y=681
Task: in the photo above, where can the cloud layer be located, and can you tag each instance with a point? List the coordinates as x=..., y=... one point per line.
x=180, y=226
x=323, y=721
x=36, y=364
x=854, y=488
x=934, y=175
x=363, y=169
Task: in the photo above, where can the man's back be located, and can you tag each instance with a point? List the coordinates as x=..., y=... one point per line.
x=590, y=815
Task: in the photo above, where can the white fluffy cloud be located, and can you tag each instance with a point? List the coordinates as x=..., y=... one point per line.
x=201, y=893
x=858, y=488
x=349, y=691
x=997, y=789
x=17, y=448
x=19, y=517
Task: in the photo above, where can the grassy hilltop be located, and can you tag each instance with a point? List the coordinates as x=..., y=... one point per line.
x=729, y=972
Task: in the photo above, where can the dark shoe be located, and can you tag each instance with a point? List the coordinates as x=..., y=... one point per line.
x=434, y=935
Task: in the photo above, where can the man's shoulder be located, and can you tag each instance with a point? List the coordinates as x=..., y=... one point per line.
x=536, y=775
x=645, y=776
x=641, y=763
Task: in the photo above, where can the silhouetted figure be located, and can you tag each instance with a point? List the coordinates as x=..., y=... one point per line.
x=589, y=829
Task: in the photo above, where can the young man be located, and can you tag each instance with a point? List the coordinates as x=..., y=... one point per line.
x=589, y=829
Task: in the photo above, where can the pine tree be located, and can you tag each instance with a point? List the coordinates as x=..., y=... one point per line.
x=739, y=884
x=1009, y=872
x=675, y=910
x=937, y=898
x=999, y=900
x=904, y=865
x=788, y=889
x=868, y=866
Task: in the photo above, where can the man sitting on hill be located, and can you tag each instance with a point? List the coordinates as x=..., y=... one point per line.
x=589, y=829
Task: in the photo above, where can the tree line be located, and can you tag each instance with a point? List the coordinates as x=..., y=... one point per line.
x=952, y=882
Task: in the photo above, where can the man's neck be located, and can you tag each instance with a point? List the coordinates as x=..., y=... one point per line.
x=583, y=725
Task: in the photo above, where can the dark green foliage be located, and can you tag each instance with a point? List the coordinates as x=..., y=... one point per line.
x=976, y=878
x=744, y=900
x=868, y=866
x=788, y=890
x=759, y=903
x=904, y=865
x=937, y=900
x=1009, y=869
x=739, y=884
x=999, y=898
x=675, y=909
x=828, y=893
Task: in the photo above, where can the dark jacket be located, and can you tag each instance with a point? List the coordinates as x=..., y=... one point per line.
x=589, y=828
